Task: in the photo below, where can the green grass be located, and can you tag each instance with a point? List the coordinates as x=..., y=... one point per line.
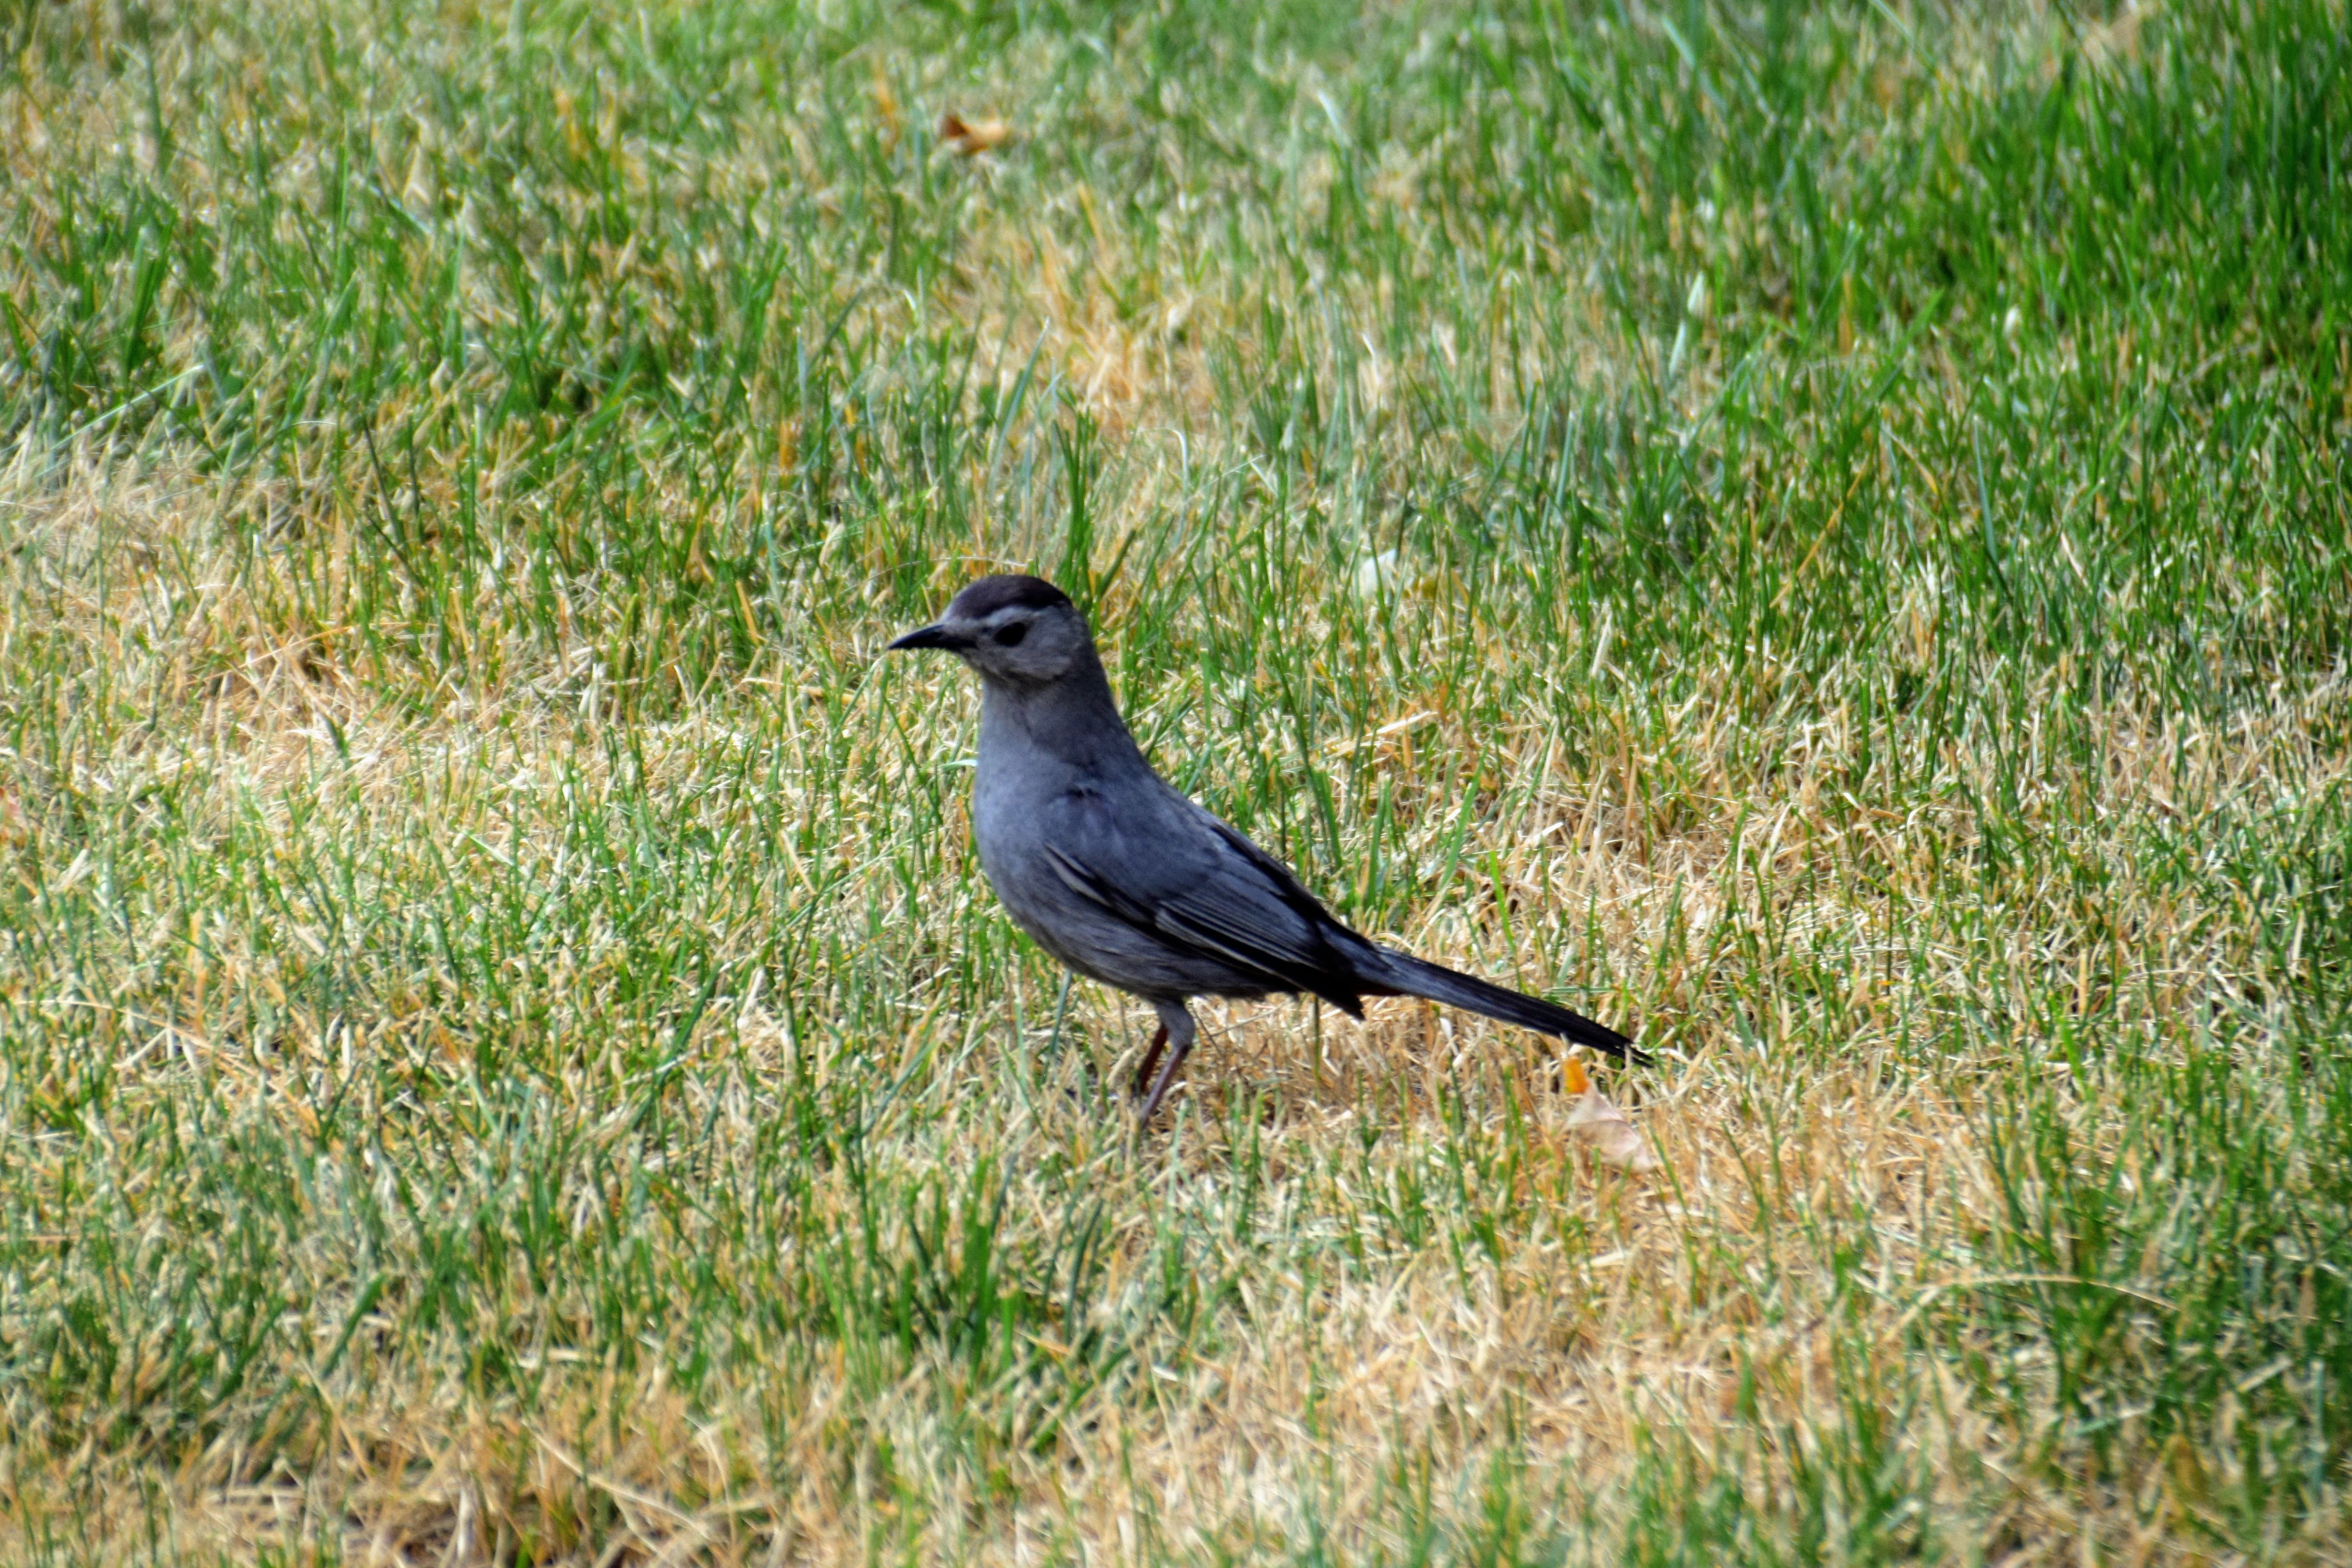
x=506, y=1052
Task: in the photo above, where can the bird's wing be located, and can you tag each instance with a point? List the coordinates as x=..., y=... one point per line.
x=1190, y=880
x=1170, y=871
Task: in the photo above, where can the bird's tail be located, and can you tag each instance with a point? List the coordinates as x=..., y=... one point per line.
x=1419, y=977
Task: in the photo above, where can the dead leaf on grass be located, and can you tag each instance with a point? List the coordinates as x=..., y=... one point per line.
x=971, y=136
x=1591, y=1116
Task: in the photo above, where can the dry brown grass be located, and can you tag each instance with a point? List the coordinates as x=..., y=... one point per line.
x=507, y=1056
x=1705, y=1303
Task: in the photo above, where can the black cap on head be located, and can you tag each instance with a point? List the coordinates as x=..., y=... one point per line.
x=989, y=594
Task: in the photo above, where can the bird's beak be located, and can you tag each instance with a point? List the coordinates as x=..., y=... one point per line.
x=933, y=635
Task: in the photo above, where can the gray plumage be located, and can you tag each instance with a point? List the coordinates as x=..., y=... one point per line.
x=1126, y=882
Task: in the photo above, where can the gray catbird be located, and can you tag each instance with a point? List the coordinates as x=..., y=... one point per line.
x=1122, y=878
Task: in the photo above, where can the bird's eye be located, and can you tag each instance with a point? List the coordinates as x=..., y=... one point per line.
x=1010, y=636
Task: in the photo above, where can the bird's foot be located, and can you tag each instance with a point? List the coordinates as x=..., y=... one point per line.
x=1159, y=1085
x=1150, y=1060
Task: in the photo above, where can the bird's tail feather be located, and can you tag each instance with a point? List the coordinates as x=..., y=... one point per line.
x=1419, y=977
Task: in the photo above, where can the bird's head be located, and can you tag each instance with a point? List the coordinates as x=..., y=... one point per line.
x=1019, y=630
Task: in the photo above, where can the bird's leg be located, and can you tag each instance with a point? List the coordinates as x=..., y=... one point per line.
x=1176, y=1022
x=1150, y=1060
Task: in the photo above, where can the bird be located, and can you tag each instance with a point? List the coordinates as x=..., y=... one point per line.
x=1127, y=881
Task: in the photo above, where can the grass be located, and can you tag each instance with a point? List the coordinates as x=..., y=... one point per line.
x=505, y=1054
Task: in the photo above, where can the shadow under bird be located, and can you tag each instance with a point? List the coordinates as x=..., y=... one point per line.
x=1124, y=879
